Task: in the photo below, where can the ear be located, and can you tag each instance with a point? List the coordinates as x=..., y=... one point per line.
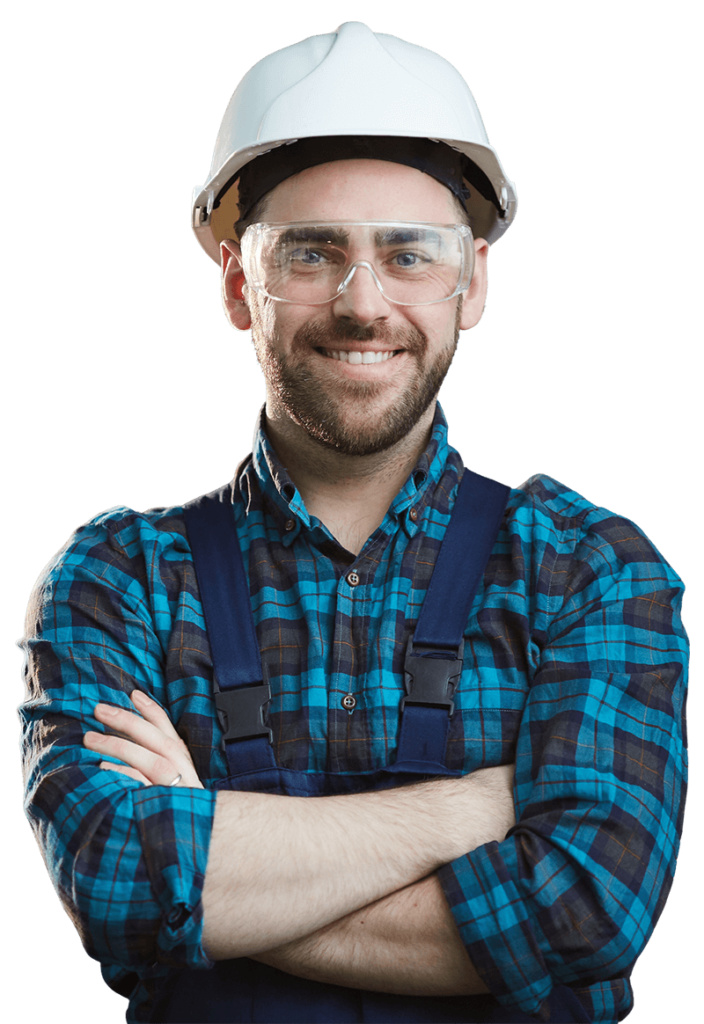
x=233, y=282
x=475, y=296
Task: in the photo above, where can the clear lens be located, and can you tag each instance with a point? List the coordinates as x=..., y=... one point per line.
x=310, y=264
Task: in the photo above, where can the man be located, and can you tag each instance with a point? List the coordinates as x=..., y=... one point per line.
x=324, y=804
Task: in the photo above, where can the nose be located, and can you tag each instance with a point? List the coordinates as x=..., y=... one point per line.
x=361, y=299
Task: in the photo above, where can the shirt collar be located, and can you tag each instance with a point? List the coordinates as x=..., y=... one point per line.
x=407, y=507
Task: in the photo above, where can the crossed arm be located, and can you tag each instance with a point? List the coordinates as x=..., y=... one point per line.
x=405, y=942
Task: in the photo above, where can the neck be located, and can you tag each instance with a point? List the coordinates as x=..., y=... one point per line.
x=349, y=493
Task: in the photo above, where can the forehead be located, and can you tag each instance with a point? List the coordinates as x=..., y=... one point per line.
x=360, y=190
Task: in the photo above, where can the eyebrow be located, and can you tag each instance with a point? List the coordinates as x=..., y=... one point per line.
x=339, y=237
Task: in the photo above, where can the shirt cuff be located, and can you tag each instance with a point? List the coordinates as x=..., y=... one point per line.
x=174, y=827
x=496, y=928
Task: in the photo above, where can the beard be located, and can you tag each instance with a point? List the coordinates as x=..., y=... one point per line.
x=319, y=408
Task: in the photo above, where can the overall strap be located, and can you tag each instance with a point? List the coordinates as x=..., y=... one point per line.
x=240, y=689
x=435, y=651
x=433, y=664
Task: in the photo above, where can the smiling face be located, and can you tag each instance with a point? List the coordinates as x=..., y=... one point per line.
x=360, y=372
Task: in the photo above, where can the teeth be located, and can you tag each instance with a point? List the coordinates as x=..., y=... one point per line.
x=358, y=357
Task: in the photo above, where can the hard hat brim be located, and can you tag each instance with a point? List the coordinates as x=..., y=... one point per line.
x=215, y=205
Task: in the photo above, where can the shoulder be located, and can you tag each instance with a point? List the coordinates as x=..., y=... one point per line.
x=547, y=514
x=119, y=540
x=555, y=503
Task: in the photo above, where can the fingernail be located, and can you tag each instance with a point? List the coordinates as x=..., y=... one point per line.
x=106, y=709
x=93, y=737
x=140, y=698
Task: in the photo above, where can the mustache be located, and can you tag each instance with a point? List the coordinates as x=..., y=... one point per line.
x=320, y=335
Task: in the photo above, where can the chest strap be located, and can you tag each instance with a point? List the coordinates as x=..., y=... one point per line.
x=435, y=651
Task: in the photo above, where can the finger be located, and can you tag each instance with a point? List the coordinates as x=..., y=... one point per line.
x=158, y=770
x=124, y=770
x=140, y=731
x=154, y=714
x=154, y=740
x=157, y=752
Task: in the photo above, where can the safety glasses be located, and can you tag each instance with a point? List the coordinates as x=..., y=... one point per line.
x=310, y=263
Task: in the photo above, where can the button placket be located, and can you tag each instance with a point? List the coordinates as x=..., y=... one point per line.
x=349, y=701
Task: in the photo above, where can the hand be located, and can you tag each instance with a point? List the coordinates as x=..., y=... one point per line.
x=147, y=742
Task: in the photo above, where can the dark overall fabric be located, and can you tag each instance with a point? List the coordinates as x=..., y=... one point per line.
x=243, y=989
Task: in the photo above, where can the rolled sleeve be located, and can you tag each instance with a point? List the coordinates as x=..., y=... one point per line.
x=572, y=894
x=127, y=860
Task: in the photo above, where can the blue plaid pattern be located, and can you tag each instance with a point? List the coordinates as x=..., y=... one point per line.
x=575, y=667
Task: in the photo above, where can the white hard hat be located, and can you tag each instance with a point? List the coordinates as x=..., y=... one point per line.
x=350, y=82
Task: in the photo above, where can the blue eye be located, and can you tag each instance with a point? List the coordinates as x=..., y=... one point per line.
x=307, y=257
x=406, y=259
x=302, y=254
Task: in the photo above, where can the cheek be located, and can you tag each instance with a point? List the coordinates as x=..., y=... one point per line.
x=264, y=316
x=440, y=327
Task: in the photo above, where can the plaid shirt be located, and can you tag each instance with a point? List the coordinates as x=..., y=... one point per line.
x=574, y=667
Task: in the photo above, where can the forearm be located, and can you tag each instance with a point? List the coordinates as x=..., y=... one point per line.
x=281, y=868
x=406, y=943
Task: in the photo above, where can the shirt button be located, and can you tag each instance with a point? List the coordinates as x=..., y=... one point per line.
x=353, y=579
x=349, y=702
x=413, y=514
x=290, y=524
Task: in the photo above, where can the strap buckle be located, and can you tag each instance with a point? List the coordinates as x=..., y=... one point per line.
x=241, y=712
x=431, y=680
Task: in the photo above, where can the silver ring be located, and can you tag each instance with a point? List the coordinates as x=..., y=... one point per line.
x=176, y=781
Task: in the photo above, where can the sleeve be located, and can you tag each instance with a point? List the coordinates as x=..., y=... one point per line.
x=572, y=894
x=127, y=860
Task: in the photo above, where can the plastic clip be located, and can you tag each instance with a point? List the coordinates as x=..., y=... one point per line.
x=431, y=680
x=241, y=712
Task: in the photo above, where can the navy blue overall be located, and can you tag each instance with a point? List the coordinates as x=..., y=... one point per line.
x=243, y=989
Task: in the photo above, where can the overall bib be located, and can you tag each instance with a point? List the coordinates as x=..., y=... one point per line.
x=243, y=989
